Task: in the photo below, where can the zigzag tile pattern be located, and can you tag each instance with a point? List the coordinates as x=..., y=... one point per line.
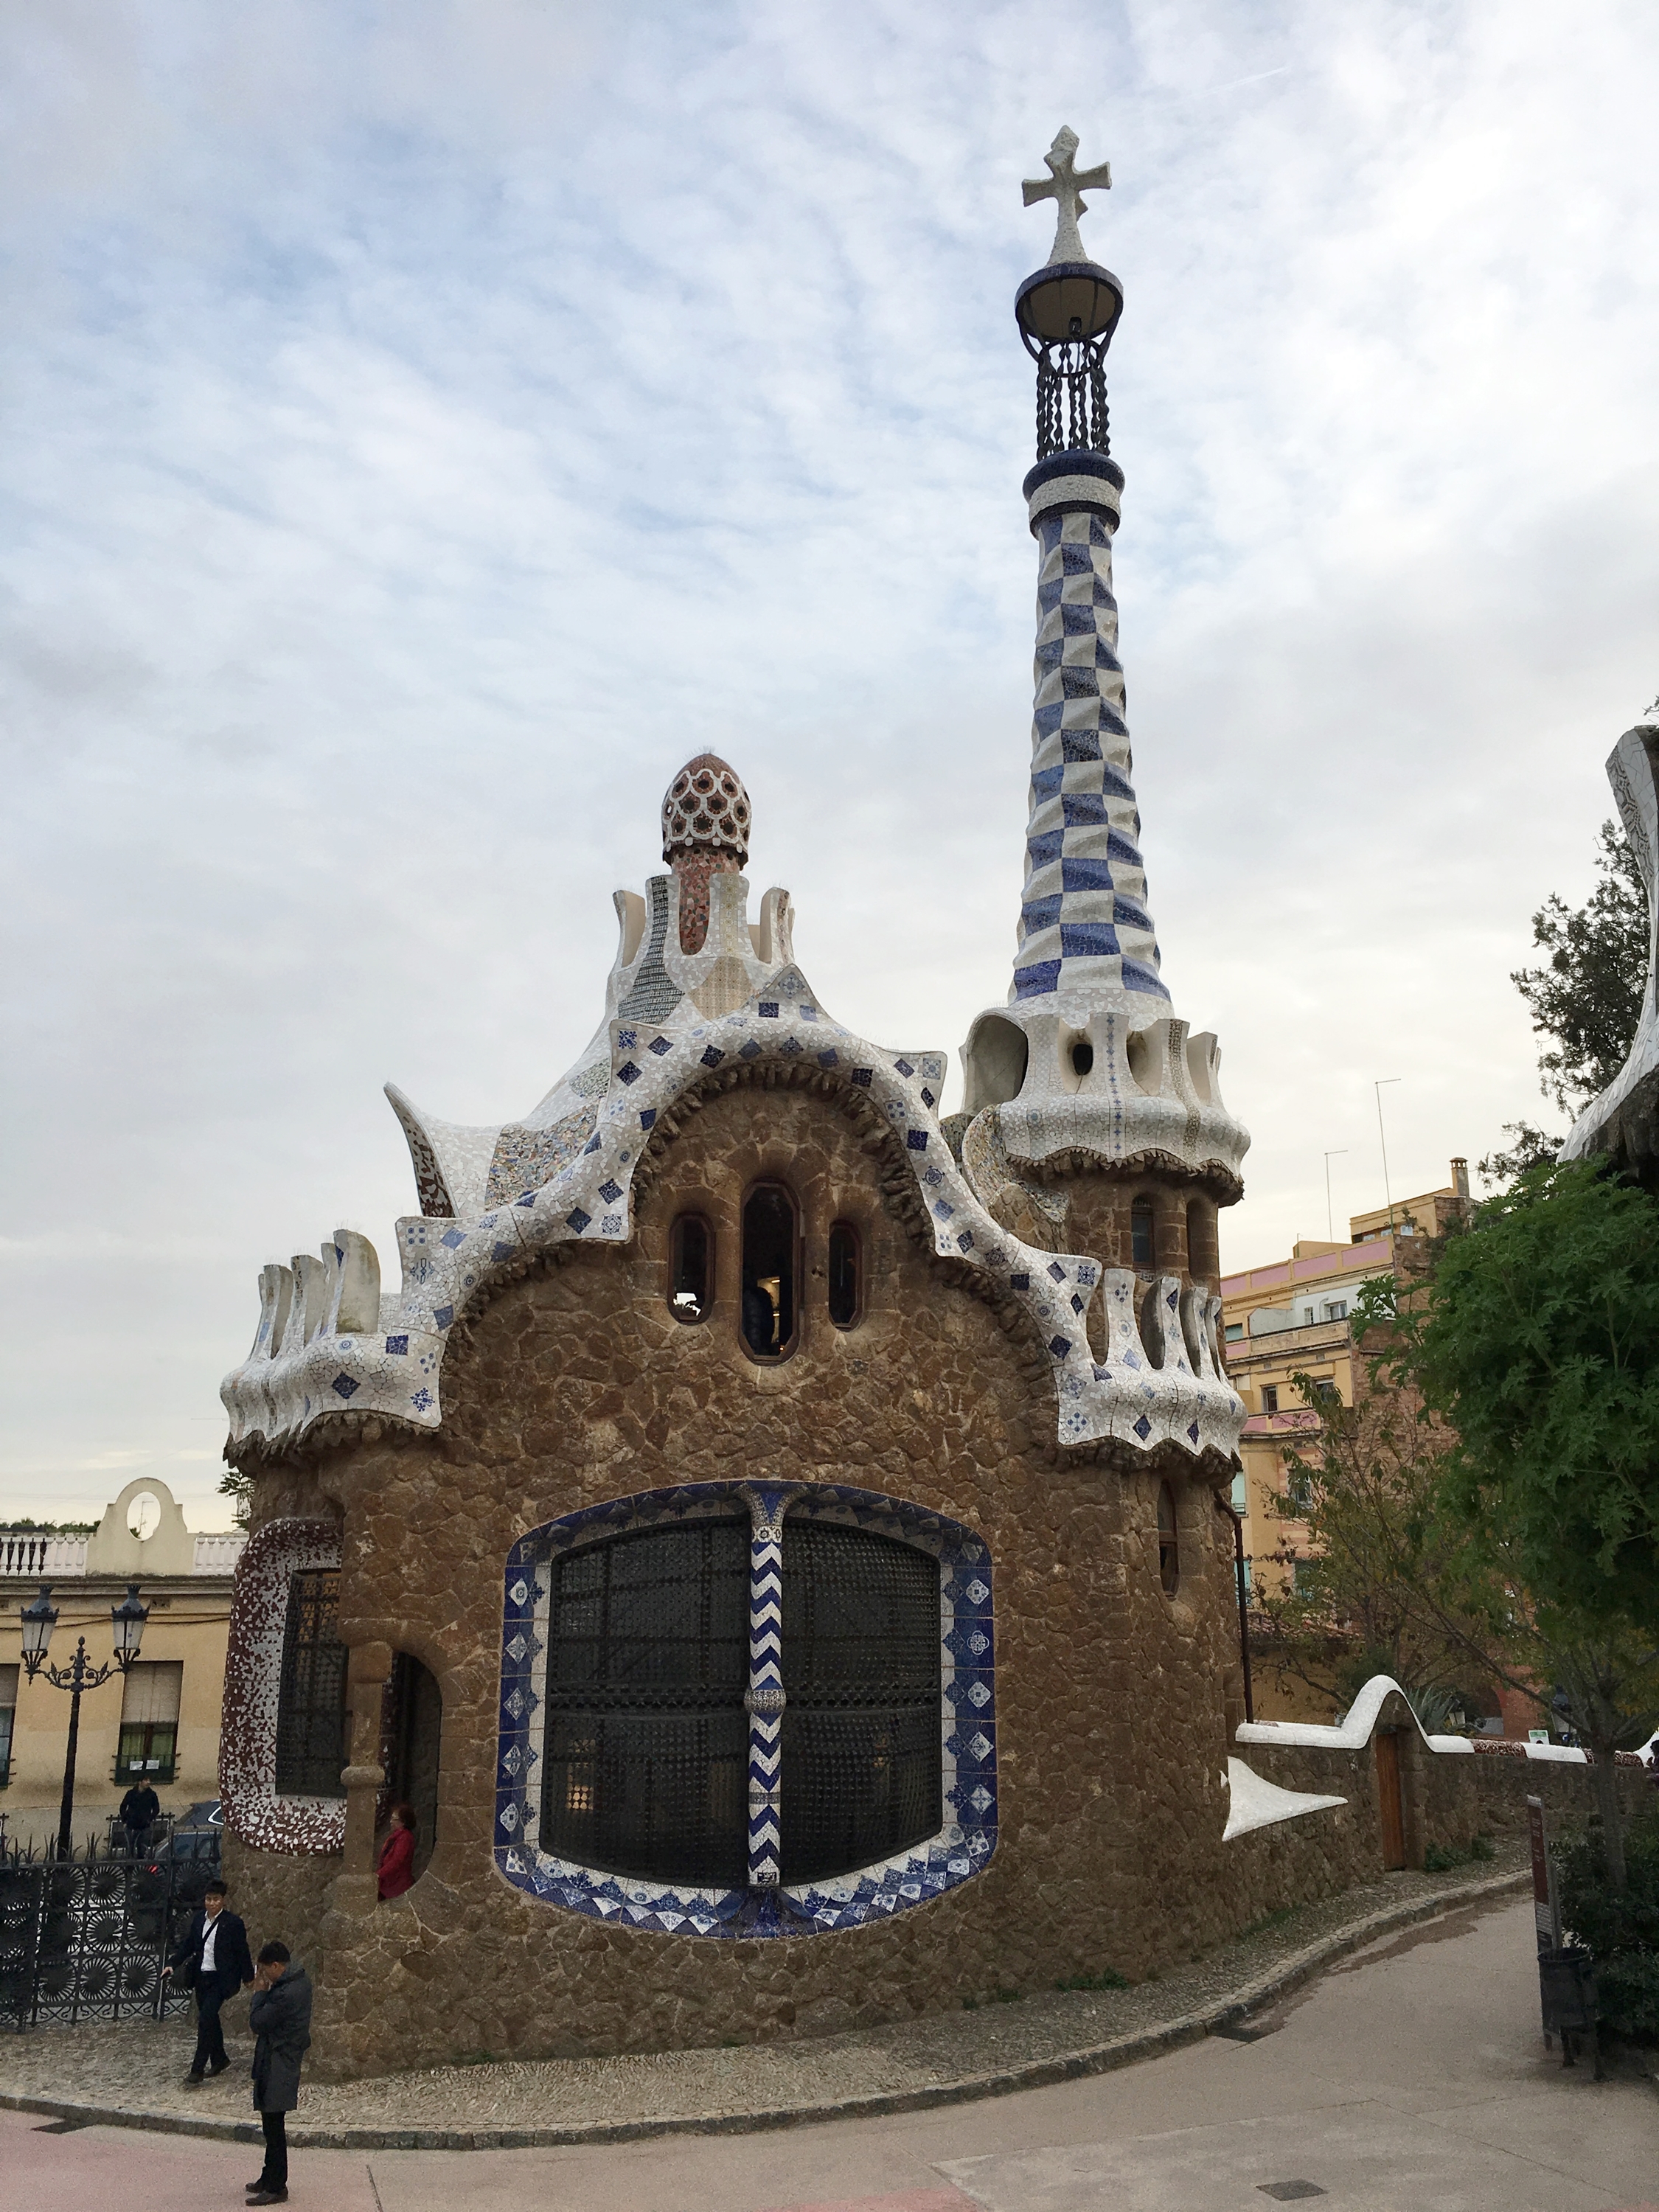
x=1083, y=919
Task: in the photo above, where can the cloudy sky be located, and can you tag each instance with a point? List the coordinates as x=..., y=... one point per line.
x=431, y=422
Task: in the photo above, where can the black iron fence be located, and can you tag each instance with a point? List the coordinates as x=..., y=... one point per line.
x=87, y=1938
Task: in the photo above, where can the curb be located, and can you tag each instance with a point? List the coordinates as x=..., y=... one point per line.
x=1033, y=2073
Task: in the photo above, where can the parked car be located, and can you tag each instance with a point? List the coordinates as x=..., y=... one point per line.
x=192, y=1845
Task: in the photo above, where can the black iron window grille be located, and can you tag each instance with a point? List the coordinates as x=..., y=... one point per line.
x=862, y=1776
x=311, y=1714
x=647, y=1754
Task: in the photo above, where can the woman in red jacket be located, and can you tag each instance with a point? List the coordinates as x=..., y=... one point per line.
x=396, y=1864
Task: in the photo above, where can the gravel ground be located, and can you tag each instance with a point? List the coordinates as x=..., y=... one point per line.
x=133, y=2072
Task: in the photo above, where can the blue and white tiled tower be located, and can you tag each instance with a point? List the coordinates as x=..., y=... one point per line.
x=1088, y=1059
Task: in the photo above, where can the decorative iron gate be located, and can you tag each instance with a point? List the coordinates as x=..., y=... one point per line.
x=87, y=1939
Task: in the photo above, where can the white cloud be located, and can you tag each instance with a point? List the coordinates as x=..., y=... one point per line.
x=432, y=423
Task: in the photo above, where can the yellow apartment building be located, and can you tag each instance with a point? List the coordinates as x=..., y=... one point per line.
x=1294, y=1317
x=160, y=1722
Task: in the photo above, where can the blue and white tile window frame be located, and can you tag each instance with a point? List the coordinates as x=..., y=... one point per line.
x=962, y=1848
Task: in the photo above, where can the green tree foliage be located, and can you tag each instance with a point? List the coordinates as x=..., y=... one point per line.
x=1586, y=998
x=1361, y=1547
x=1587, y=995
x=1621, y=1926
x=1537, y=1341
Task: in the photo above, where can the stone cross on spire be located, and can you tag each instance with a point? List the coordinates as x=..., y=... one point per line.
x=1066, y=184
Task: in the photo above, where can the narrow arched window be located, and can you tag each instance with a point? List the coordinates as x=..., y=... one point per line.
x=310, y=1700
x=846, y=1275
x=1140, y=1233
x=1168, y=1541
x=771, y=1239
x=691, y=1268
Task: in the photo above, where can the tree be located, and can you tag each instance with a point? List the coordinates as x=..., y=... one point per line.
x=1351, y=1602
x=1587, y=998
x=1535, y=1342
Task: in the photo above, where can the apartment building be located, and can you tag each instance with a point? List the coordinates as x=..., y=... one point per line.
x=1295, y=1317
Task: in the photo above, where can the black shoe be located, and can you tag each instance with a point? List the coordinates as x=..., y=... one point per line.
x=269, y=2197
x=193, y=2080
x=214, y=2072
x=260, y=2184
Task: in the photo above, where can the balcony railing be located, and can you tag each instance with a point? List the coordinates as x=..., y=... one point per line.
x=27, y=1554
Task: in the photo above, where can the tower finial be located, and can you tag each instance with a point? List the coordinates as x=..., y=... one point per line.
x=1066, y=183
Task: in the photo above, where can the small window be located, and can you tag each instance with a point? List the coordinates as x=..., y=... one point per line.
x=1083, y=1057
x=1270, y=1397
x=1337, y=1309
x=691, y=1266
x=311, y=1716
x=770, y=1237
x=846, y=1276
x=1326, y=1392
x=1168, y=1541
x=150, y=1720
x=8, y=1707
x=1140, y=1233
x=1235, y=1330
x=1241, y=1494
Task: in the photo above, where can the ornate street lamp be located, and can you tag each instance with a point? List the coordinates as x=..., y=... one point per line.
x=127, y=1630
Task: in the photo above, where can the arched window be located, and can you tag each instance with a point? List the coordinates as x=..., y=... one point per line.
x=647, y=1753
x=1202, y=1256
x=770, y=1242
x=691, y=1268
x=1141, y=1253
x=1083, y=1057
x=311, y=1714
x=846, y=1276
x=1168, y=1541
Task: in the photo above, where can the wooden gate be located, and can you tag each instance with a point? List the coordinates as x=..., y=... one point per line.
x=1389, y=1800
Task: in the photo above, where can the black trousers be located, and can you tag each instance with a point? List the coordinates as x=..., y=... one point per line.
x=276, y=2174
x=211, y=1991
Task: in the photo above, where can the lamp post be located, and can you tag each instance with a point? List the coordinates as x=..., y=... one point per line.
x=127, y=1629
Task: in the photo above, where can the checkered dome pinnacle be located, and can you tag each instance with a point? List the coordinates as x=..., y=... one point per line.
x=706, y=809
x=1084, y=921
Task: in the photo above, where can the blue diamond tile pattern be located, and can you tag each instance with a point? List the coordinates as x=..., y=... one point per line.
x=1083, y=914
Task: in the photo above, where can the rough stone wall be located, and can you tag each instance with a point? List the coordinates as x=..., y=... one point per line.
x=282, y=1898
x=577, y=1385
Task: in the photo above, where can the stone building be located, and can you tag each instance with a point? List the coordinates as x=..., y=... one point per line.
x=775, y=1535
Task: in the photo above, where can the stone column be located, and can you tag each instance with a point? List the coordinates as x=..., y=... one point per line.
x=368, y=1672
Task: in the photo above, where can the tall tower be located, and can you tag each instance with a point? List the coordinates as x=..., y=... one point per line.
x=1096, y=1123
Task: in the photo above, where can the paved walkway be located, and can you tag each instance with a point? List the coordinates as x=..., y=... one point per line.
x=1410, y=2078
x=135, y=2070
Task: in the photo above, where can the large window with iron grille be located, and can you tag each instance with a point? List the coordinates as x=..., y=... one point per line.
x=311, y=1716
x=650, y=1691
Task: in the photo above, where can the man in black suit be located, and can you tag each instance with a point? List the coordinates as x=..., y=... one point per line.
x=214, y=1954
x=141, y=1809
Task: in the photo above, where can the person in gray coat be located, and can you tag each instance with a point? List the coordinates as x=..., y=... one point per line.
x=280, y=2016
